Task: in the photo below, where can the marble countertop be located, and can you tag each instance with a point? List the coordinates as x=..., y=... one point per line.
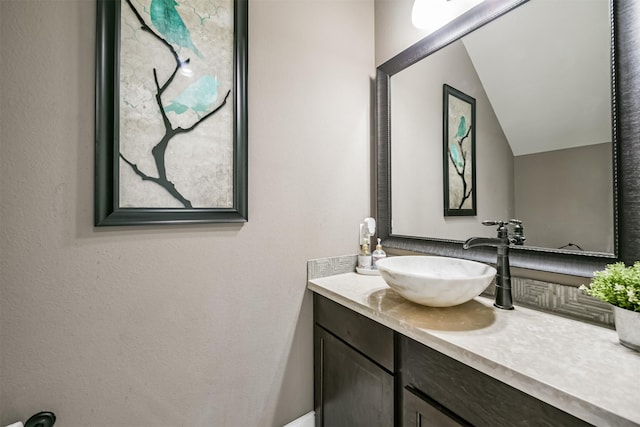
x=577, y=367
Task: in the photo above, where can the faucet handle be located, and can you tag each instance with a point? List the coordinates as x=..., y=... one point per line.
x=515, y=222
x=489, y=222
x=516, y=236
x=518, y=232
x=503, y=230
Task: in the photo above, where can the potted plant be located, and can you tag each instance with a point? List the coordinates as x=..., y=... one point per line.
x=619, y=285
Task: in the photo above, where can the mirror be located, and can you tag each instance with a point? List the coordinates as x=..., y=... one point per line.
x=413, y=200
x=542, y=129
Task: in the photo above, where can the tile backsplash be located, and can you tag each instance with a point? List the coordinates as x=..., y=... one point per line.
x=567, y=301
x=324, y=267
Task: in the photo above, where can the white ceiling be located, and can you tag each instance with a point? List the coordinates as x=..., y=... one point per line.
x=549, y=81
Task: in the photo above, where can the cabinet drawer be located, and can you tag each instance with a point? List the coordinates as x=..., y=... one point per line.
x=472, y=395
x=420, y=411
x=367, y=336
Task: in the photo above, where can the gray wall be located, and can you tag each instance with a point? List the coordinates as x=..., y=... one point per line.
x=175, y=326
x=417, y=147
x=571, y=201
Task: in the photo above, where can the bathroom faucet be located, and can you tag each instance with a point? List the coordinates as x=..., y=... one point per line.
x=502, y=242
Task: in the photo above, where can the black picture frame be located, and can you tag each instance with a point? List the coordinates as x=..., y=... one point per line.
x=107, y=211
x=459, y=152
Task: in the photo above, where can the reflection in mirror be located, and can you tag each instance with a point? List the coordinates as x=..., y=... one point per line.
x=532, y=262
x=540, y=76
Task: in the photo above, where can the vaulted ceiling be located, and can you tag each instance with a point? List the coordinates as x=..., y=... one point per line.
x=546, y=70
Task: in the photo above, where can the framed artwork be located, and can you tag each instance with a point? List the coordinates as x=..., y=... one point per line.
x=459, y=148
x=171, y=112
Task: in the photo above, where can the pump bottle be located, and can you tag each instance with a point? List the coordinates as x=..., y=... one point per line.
x=378, y=254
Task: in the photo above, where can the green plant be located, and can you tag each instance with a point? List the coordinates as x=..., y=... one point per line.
x=617, y=284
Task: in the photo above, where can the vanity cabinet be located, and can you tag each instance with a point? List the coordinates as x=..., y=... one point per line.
x=366, y=374
x=467, y=396
x=353, y=368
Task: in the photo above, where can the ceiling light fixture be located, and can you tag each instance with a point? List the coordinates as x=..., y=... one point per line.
x=430, y=15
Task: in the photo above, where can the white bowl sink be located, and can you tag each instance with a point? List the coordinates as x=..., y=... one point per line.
x=436, y=281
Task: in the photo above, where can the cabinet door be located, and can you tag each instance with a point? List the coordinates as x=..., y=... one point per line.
x=350, y=390
x=420, y=411
x=472, y=395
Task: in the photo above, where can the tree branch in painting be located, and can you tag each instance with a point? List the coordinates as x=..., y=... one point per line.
x=199, y=96
x=458, y=156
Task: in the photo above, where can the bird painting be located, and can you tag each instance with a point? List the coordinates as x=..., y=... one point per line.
x=169, y=23
x=198, y=96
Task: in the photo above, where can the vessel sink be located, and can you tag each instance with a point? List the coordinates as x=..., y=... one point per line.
x=436, y=281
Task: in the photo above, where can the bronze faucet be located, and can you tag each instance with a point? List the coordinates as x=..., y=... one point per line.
x=502, y=242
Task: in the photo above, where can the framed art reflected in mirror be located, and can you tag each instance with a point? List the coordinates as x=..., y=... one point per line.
x=459, y=148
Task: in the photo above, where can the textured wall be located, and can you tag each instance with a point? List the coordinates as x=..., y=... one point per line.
x=573, y=194
x=175, y=326
x=416, y=159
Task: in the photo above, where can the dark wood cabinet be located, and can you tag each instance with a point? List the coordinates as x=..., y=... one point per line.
x=353, y=391
x=366, y=374
x=472, y=395
x=352, y=388
x=419, y=410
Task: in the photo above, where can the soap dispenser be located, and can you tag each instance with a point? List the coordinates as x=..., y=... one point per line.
x=365, y=261
x=378, y=254
x=364, y=258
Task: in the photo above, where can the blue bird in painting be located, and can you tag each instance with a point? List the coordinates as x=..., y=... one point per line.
x=462, y=128
x=198, y=96
x=168, y=22
x=456, y=156
x=454, y=149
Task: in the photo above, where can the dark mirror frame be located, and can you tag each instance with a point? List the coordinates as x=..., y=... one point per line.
x=106, y=209
x=625, y=71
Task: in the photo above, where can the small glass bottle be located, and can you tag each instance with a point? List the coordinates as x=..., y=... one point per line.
x=378, y=254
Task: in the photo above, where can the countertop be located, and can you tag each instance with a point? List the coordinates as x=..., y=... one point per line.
x=574, y=366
